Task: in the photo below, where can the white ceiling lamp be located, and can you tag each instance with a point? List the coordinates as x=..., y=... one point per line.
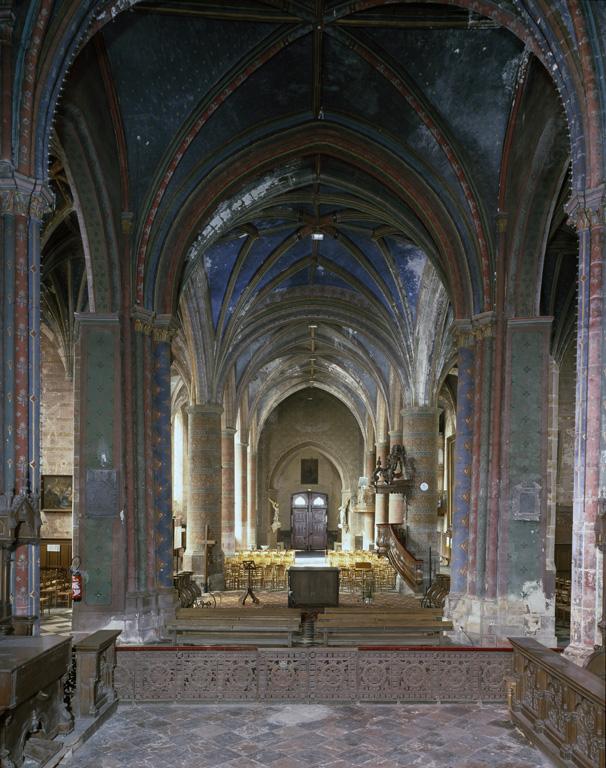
x=317, y=235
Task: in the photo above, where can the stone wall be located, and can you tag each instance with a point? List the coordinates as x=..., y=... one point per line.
x=56, y=431
x=565, y=461
x=320, y=427
x=566, y=427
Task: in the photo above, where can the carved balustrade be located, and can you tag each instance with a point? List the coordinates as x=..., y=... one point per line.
x=95, y=664
x=559, y=705
x=414, y=673
x=406, y=564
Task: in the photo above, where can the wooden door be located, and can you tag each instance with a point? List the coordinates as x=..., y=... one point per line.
x=309, y=516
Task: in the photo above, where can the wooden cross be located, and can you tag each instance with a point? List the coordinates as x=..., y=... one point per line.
x=207, y=544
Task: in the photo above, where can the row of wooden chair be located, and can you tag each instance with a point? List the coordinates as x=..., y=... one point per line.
x=265, y=576
x=55, y=588
x=563, y=588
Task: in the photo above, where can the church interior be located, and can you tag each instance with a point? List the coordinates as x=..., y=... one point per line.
x=303, y=377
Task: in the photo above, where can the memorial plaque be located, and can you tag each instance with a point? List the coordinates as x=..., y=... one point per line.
x=526, y=502
x=102, y=498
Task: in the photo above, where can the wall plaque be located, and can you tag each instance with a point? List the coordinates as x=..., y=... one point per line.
x=102, y=493
x=526, y=501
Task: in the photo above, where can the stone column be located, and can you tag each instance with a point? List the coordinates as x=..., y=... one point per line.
x=242, y=515
x=525, y=581
x=395, y=513
x=204, y=506
x=162, y=455
x=251, y=515
x=419, y=430
x=99, y=531
x=463, y=456
x=588, y=212
x=381, y=499
x=227, y=491
x=23, y=202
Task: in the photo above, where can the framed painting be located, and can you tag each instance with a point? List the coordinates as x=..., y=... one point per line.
x=57, y=493
x=309, y=471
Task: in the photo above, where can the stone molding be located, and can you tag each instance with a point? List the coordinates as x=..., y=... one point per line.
x=203, y=408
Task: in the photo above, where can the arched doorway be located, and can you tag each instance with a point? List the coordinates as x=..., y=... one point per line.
x=309, y=518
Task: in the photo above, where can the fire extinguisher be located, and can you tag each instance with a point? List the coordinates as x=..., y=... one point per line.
x=76, y=580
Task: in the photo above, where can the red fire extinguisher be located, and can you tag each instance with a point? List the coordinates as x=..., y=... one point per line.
x=76, y=580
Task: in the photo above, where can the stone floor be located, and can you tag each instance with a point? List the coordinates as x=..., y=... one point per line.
x=306, y=736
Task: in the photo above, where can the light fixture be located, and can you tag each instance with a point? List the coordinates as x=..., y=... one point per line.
x=317, y=235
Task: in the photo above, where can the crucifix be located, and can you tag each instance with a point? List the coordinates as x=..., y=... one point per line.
x=207, y=544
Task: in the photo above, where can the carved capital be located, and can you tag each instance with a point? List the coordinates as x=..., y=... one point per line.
x=162, y=328
x=22, y=196
x=467, y=332
x=588, y=208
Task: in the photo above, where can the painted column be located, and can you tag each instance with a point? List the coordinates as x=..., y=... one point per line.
x=419, y=430
x=204, y=507
x=227, y=491
x=99, y=524
x=161, y=450
x=459, y=564
x=23, y=202
x=525, y=583
x=241, y=509
x=251, y=506
x=588, y=212
x=482, y=396
x=395, y=504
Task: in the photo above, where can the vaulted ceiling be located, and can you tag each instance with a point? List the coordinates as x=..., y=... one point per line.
x=314, y=185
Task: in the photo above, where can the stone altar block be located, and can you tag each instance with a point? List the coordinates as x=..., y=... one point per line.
x=32, y=672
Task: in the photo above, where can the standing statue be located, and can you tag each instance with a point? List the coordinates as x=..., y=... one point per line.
x=343, y=522
x=276, y=521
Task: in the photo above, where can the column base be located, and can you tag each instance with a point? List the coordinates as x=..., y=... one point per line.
x=142, y=621
x=579, y=654
x=490, y=622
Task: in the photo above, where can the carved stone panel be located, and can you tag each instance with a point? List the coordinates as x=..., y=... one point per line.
x=332, y=674
x=284, y=675
x=239, y=676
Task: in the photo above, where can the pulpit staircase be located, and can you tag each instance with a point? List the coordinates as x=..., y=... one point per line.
x=391, y=546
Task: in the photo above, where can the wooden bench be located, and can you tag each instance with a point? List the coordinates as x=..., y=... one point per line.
x=236, y=626
x=361, y=626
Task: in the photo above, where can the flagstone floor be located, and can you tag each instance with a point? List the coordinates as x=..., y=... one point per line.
x=308, y=736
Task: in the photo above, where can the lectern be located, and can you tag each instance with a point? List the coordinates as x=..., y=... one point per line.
x=313, y=587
